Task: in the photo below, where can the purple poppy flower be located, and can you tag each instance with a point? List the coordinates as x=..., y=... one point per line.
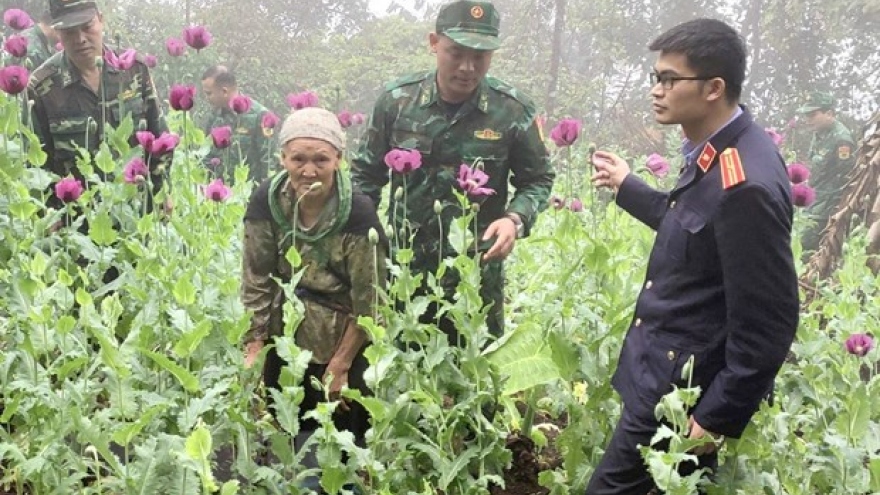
x=175, y=47
x=403, y=161
x=164, y=143
x=576, y=205
x=344, y=118
x=657, y=165
x=802, y=195
x=566, y=132
x=17, y=19
x=222, y=136
x=151, y=61
x=358, y=118
x=798, y=172
x=240, y=104
x=135, y=171
x=16, y=45
x=471, y=180
x=13, y=79
x=197, y=37
x=776, y=137
x=182, y=97
x=217, y=191
x=123, y=61
x=269, y=120
x=68, y=189
x=145, y=139
x=859, y=344
x=302, y=100
x=215, y=162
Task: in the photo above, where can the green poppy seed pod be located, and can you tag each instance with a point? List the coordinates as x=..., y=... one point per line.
x=373, y=236
x=93, y=126
x=475, y=207
x=438, y=208
x=99, y=62
x=389, y=231
x=398, y=193
x=142, y=125
x=30, y=104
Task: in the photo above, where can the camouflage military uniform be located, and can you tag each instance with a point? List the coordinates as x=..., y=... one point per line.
x=496, y=128
x=251, y=144
x=340, y=265
x=67, y=113
x=38, y=47
x=831, y=157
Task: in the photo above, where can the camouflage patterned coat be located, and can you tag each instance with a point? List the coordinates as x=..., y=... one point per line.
x=495, y=127
x=341, y=267
x=68, y=113
x=831, y=157
x=39, y=49
x=251, y=144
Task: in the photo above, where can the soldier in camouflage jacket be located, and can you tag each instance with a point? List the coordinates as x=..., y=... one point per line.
x=457, y=115
x=75, y=98
x=251, y=142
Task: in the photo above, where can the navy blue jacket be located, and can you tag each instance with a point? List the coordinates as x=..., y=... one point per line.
x=721, y=284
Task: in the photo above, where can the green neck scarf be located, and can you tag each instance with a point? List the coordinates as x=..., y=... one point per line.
x=290, y=227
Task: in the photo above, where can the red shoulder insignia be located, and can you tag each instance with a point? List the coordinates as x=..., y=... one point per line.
x=707, y=156
x=732, y=172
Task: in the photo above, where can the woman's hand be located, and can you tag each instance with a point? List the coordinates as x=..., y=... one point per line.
x=252, y=351
x=339, y=371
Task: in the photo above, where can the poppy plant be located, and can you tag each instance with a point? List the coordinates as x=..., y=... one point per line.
x=68, y=189
x=859, y=344
x=657, y=165
x=222, y=136
x=302, y=100
x=164, y=143
x=175, y=47
x=240, y=104
x=13, y=79
x=151, y=61
x=802, y=195
x=123, y=61
x=217, y=191
x=403, y=161
x=17, y=19
x=798, y=172
x=566, y=132
x=472, y=180
x=145, y=139
x=182, y=97
x=16, y=45
x=197, y=37
x=269, y=120
x=135, y=171
x=344, y=118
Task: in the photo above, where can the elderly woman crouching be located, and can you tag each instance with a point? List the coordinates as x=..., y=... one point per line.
x=310, y=205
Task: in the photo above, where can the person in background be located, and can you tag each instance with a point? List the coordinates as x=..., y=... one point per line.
x=831, y=158
x=249, y=143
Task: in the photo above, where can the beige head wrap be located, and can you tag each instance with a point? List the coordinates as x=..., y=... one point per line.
x=313, y=122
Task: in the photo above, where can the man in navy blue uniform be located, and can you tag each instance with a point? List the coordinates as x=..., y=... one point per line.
x=720, y=284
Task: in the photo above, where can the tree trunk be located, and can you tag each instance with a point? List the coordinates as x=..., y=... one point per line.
x=555, y=55
x=754, y=35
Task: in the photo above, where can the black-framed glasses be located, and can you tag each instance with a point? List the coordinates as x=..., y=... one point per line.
x=668, y=80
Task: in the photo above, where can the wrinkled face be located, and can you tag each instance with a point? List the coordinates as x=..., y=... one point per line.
x=459, y=69
x=309, y=161
x=819, y=120
x=216, y=94
x=84, y=43
x=686, y=102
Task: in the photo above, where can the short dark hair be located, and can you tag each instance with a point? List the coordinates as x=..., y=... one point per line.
x=712, y=48
x=221, y=74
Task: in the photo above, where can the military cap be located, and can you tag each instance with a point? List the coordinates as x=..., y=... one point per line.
x=471, y=24
x=818, y=100
x=68, y=14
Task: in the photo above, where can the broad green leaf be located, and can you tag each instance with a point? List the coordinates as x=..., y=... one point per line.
x=184, y=291
x=190, y=341
x=126, y=433
x=565, y=355
x=71, y=366
x=461, y=237
x=853, y=420
x=23, y=209
x=525, y=359
x=101, y=229
x=104, y=160
x=186, y=379
x=293, y=257
x=198, y=443
x=230, y=488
